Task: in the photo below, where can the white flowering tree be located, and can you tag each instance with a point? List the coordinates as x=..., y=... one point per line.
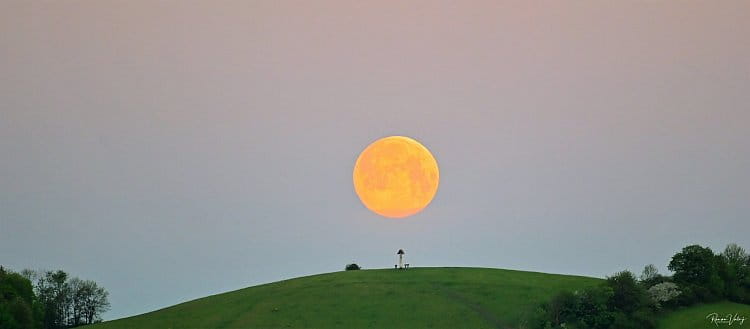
x=663, y=292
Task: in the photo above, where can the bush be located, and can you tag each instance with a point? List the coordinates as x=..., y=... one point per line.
x=352, y=267
x=628, y=296
x=664, y=293
x=559, y=310
x=620, y=303
x=584, y=309
x=592, y=308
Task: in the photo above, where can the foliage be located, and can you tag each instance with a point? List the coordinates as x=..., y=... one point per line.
x=663, y=293
x=560, y=310
x=16, y=301
x=592, y=309
x=696, y=271
x=651, y=277
x=628, y=296
x=352, y=267
x=52, y=290
x=656, y=279
x=618, y=303
x=736, y=273
x=735, y=254
x=703, y=276
x=649, y=273
x=87, y=302
x=52, y=301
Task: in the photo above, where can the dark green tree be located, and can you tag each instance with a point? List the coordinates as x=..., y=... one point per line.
x=735, y=272
x=352, y=267
x=16, y=301
x=592, y=309
x=561, y=309
x=52, y=290
x=627, y=295
x=68, y=302
x=697, y=271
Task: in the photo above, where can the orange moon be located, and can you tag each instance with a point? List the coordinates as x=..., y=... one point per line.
x=396, y=177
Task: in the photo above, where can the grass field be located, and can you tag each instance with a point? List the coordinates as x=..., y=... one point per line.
x=415, y=298
x=695, y=317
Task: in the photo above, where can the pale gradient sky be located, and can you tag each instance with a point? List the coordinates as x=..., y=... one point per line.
x=172, y=150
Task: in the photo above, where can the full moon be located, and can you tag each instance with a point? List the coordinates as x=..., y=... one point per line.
x=396, y=177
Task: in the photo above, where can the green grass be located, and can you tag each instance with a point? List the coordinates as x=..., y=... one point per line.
x=695, y=317
x=415, y=298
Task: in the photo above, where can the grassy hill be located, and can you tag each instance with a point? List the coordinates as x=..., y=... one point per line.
x=415, y=298
x=695, y=317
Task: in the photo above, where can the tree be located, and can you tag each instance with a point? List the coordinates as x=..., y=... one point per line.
x=52, y=290
x=16, y=301
x=352, y=267
x=581, y=309
x=628, y=296
x=650, y=277
x=735, y=255
x=630, y=303
x=68, y=302
x=92, y=301
x=76, y=302
x=696, y=271
x=736, y=273
x=694, y=264
x=663, y=293
x=649, y=272
x=592, y=308
x=560, y=310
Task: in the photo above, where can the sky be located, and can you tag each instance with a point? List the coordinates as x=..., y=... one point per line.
x=171, y=150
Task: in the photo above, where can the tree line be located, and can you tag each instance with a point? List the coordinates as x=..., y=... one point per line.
x=625, y=301
x=49, y=300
